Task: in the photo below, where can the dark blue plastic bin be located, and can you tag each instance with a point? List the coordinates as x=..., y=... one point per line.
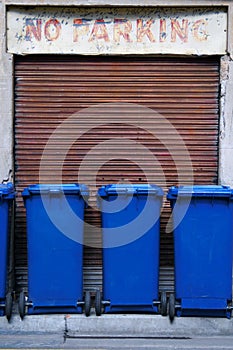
x=203, y=241
x=131, y=222
x=7, y=195
x=55, y=222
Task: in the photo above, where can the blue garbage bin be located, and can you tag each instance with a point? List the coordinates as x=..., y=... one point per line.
x=130, y=233
x=55, y=222
x=203, y=240
x=7, y=195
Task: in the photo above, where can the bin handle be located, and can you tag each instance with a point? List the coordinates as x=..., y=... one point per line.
x=55, y=191
x=147, y=191
x=28, y=192
x=129, y=191
x=49, y=190
x=120, y=190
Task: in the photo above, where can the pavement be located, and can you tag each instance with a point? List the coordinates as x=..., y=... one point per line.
x=123, y=331
x=55, y=341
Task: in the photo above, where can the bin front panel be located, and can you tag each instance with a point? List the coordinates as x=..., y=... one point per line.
x=203, y=249
x=54, y=260
x=6, y=197
x=4, y=205
x=131, y=274
x=131, y=270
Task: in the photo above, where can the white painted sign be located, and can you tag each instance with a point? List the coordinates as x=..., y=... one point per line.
x=116, y=31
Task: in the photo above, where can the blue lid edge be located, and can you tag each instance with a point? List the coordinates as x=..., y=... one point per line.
x=7, y=191
x=38, y=189
x=210, y=191
x=134, y=189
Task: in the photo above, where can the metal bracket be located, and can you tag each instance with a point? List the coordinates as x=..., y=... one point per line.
x=28, y=303
x=230, y=307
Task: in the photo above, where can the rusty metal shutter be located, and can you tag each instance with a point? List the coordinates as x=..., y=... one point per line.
x=49, y=89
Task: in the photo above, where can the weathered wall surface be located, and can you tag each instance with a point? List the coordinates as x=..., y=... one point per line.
x=122, y=3
x=95, y=31
x=6, y=98
x=226, y=124
x=6, y=80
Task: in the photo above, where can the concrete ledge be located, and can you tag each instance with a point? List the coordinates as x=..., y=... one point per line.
x=39, y=324
x=148, y=325
x=118, y=325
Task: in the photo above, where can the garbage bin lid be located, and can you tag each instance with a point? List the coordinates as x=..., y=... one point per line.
x=200, y=191
x=134, y=189
x=55, y=189
x=7, y=191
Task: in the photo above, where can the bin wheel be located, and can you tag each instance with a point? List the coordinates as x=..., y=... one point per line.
x=22, y=305
x=87, y=303
x=8, y=306
x=98, y=303
x=171, y=307
x=163, y=304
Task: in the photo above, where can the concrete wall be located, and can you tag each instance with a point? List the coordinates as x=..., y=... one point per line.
x=226, y=124
x=6, y=103
x=6, y=81
x=226, y=115
x=123, y=3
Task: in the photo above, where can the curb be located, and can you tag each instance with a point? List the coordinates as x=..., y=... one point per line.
x=118, y=325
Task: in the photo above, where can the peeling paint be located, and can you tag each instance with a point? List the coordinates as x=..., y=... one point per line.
x=117, y=31
x=226, y=123
x=223, y=78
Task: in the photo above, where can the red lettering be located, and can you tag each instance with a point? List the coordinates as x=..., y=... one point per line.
x=52, y=29
x=122, y=27
x=199, y=30
x=33, y=30
x=144, y=29
x=99, y=31
x=81, y=27
x=182, y=32
x=162, y=30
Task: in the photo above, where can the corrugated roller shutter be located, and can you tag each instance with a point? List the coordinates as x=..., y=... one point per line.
x=51, y=89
